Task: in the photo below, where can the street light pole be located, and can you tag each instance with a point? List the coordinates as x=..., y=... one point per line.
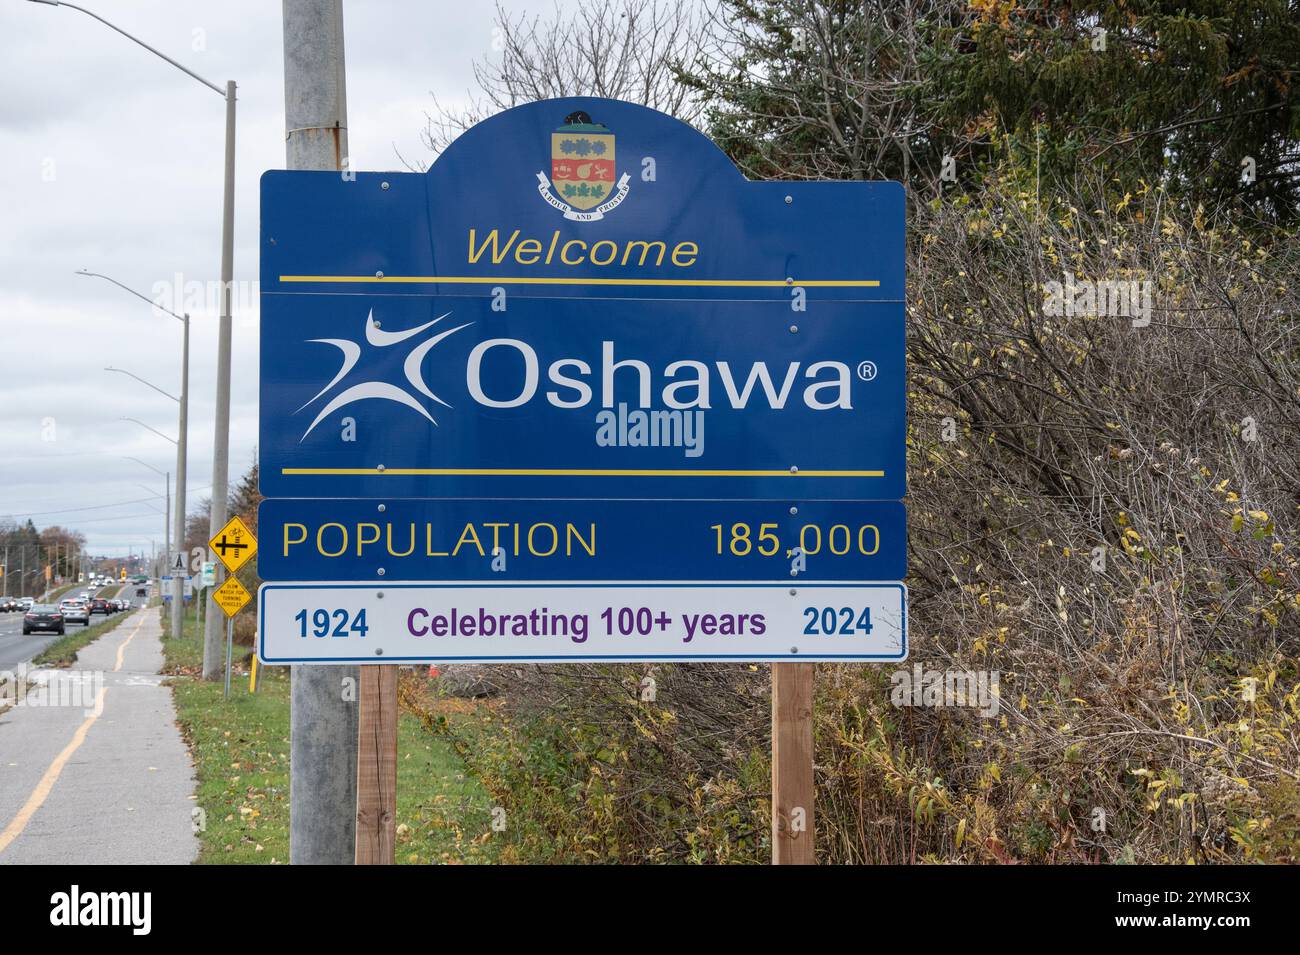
x=212, y=635
x=221, y=441
x=182, y=444
x=167, y=514
x=178, y=618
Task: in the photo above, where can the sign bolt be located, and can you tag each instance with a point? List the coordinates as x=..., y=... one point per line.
x=382, y=508
x=379, y=275
x=793, y=592
x=380, y=595
x=383, y=186
x=794, y=329
x=379, y=467
x=789, y=199
x=794, y=469
x=794, y=649
x=793, y=510
x=381, y=571
x=379, y=651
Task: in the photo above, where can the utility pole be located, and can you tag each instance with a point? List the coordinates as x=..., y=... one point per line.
x=182, y=469
x=322, y=724
x=212, y=635
x=167, y=530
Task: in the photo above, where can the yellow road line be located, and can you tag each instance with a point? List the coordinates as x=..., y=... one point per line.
x=577, y=472
x=51, y=775
x=121, y=651
x=42, y=790
x=552, y=280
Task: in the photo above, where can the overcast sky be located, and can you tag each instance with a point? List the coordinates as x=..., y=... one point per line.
x=113, y=163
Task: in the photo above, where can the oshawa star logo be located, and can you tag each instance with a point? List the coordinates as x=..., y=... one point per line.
x=379, y=338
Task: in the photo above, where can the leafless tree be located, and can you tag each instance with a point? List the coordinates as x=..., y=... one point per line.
x=819, y=89
x=625, y=49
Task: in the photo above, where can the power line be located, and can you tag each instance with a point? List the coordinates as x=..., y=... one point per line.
x=121, y=517
x=92, y=507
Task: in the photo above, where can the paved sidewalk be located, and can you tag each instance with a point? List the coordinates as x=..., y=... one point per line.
x=96, y=784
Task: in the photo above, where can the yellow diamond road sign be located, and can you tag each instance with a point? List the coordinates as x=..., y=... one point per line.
x=231, y=596
x=234, y=544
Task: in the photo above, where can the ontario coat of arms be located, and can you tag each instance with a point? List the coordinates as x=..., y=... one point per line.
x=582, y=182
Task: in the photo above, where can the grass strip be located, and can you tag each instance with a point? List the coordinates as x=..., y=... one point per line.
x=240, y=749
x=63, y=651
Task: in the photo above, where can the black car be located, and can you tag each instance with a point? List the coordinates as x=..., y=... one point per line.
x=43, y=617
x=100, y=605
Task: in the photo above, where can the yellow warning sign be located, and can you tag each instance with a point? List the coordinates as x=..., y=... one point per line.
x=231, y=596
x=234, y=544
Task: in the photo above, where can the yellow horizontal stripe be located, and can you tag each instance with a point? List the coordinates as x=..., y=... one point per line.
x=578, y=472
x=550, y=280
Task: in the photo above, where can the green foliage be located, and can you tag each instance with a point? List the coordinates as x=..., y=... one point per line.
x=1163, y=90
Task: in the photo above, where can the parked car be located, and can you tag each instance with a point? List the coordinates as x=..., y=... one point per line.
x=75, y=610
x=45, y=617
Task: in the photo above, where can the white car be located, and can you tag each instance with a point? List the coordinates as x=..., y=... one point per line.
x=76, y=610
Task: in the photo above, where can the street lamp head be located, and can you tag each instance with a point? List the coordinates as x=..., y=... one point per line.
x=148, y=428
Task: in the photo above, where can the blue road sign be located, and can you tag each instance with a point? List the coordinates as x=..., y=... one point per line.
x=399, y=539
x=581, y=298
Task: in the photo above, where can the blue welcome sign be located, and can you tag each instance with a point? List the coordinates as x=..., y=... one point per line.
x=582, y=298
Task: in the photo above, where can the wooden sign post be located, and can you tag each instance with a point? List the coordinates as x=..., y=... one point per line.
x=377, y=766
x=792, y=764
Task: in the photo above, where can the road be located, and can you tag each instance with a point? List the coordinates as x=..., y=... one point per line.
x=16, y=649
x=93, y=769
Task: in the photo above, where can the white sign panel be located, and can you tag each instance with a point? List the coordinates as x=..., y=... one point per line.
x=567, y=622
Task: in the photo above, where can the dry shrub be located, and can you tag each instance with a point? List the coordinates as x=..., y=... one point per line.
x=1122, y=684
x=1124, y=687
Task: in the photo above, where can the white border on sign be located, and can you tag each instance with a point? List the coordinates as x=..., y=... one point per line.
x=892, y=591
